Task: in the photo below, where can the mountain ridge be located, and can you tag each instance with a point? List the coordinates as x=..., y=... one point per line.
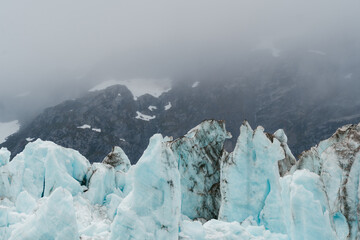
x=113, y=117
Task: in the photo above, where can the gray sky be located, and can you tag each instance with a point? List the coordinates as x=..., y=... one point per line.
x=47, y=44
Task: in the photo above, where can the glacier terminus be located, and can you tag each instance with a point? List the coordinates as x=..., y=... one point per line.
x=186, y=188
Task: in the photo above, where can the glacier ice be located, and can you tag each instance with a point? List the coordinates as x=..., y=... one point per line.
x=198, y=154
x=55, y=219
x=92, y=220
x=152, y=209
x=42, y=167
x=25, y=202
x=187, y=188
x=118, y=159
x=215, y=229
x=4, y=156
x=102, y=182
x=337, y=162
x=305, y=207
x=287, y=164
x=250, y=179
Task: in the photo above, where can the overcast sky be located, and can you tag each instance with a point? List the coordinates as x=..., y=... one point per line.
x=44, y=44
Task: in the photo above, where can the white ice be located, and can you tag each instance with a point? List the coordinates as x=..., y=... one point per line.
x=4, y=156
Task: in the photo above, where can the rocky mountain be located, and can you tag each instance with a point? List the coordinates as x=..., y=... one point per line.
x=307, y=94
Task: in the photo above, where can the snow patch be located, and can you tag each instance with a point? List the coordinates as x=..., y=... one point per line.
x=168, y=106
x=7, y=129
x=138, y=87
x=151, y=108
x=85, y=126
x=96, y=129
x=144, y=117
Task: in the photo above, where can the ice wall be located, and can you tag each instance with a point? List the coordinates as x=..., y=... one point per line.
x=152, y=209
x=188, y=188
x=250, y=180
x=41, y=168
x=199, y=154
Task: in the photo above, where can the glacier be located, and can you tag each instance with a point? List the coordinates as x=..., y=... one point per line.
x=198, y=154
x=187, y=188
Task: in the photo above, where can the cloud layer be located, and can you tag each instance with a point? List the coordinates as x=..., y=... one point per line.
x=63, y=47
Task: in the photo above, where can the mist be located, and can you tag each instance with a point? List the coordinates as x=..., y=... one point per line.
x=55, y=50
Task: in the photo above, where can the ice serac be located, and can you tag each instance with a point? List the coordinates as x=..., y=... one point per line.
x=250, y=180
x=305, y=207
x=288, y=164
x=4, y=156
x=152, y=208
x=198, y=154
x=118, y=159
x=55, y=219
x=101, y=183
x=41, y=168
x=337, y=162
x=108, y=177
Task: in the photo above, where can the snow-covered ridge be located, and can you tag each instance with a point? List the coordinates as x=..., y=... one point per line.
x=187, y=188
x=7, y=129
x=138, y=87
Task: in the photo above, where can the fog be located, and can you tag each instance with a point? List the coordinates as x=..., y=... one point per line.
x=54, y=50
